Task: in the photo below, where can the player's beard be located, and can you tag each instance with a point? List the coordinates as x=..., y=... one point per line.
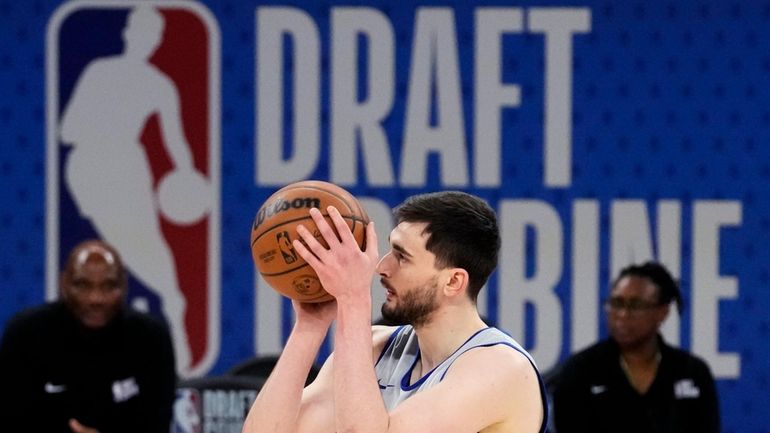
x=413, y=307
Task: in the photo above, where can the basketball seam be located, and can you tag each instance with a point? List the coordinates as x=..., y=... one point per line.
x=321, y=296
x=269, y=229
x=277, y=274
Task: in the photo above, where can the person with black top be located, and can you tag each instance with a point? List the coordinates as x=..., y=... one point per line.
x=633, y=381
x=86, y=363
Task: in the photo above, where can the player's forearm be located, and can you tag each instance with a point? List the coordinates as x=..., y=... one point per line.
x=357, y=400
x=278, y=402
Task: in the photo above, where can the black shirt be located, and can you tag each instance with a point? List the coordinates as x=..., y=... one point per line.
x=592, y=394
x=116, y=379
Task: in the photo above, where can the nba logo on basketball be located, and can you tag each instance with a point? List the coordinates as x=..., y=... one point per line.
x=133, y=156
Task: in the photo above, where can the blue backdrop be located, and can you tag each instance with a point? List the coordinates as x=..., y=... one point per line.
x=603, y=133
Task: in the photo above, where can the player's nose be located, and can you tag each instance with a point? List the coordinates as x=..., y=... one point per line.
x=384, y=266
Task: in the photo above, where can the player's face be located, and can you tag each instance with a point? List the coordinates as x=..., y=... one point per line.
x=93, y=288
x=634, y=313
x=410, y=277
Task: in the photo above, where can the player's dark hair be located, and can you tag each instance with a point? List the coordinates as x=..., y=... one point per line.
x=462, y=232
x=668, y=288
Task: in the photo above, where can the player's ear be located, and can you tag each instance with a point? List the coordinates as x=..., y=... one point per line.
x=457, y=282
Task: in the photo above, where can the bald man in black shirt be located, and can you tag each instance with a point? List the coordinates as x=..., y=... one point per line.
x=87, y=364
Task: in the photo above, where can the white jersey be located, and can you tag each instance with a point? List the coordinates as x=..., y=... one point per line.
x=401, y=353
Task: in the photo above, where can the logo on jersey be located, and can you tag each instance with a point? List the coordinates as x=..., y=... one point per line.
x=123, y=390
x=133, y=156
x=686, y=388
x=52, y=388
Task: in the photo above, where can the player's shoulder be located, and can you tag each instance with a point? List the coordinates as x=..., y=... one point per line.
x=504, y=358
x=495, y=345
x=497, y=370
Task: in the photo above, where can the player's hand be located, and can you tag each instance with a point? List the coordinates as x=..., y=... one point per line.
x=344, y=270
x=80, y=428
x=318, y=316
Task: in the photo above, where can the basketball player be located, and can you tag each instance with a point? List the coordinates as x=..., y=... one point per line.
x=86, y=363
x=444, y=372
x=107, y=171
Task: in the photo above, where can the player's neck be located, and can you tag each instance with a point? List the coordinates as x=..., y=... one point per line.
x=448, y=329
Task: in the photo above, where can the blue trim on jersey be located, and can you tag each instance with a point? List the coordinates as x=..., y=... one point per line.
x=388, y=343
x=405, y=386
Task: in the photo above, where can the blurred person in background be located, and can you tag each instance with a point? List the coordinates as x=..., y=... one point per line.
x=86, y=363
x=633, y=381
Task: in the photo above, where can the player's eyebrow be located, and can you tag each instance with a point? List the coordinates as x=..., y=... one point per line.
x=401, y=250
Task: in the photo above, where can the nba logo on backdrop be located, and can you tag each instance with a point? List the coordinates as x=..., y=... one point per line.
x=133, y=156
x=188, y=413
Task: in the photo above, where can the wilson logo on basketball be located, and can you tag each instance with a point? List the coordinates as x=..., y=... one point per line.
x=282, y=205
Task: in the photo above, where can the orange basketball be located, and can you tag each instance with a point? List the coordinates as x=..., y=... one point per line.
x=275, y=227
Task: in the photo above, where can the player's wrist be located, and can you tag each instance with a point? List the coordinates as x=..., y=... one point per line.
x=309, y=328
x=355, y=299
x=354, y=312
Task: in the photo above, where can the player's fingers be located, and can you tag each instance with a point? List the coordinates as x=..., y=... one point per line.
x=324, y=228
x=345, y=235
x=305, y=253
x=371, y=242
x=309, y=242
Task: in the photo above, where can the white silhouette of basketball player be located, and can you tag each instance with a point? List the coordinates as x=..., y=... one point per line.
x=108, y=173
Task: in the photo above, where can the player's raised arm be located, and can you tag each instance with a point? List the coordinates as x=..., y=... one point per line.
x=282, y=404
x=445, y=370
